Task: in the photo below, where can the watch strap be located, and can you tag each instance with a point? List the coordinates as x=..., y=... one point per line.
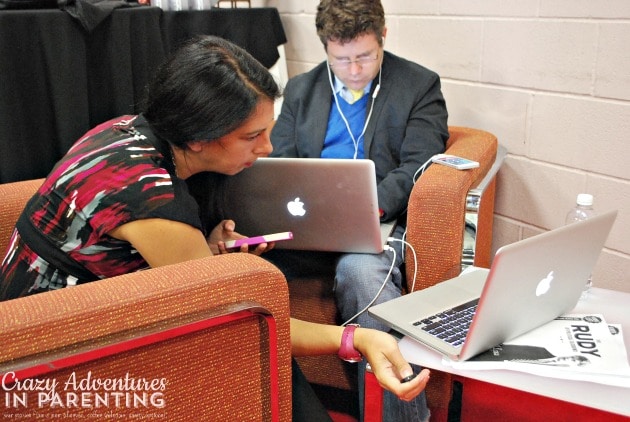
x=347, y=350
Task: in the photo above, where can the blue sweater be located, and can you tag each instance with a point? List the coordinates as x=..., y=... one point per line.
x=338, y=143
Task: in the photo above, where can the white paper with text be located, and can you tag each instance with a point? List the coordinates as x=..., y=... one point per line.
x=574, y=346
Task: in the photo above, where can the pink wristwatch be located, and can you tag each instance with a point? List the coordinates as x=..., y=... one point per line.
x=347, y=351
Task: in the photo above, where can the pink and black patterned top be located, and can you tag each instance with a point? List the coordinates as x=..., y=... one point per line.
x=117, y=173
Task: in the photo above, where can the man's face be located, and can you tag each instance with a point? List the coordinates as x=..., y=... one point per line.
x=357, y=62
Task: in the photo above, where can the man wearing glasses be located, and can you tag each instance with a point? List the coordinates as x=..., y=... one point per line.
x=364, y=103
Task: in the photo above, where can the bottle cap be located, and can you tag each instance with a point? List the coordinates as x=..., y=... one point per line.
x=585, y=199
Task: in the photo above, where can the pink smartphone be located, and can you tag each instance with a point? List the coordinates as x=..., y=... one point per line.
x=251, y=241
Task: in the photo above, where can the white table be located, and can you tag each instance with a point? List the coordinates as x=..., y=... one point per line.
x=614, y=305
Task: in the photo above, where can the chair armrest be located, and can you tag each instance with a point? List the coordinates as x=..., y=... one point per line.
x=483, y=185
x=478, y=233
x=162, y=324
x=437, y=208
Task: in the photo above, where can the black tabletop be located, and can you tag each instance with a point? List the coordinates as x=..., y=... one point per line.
x=58, y=80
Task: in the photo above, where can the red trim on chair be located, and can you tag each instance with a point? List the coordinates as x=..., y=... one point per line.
x=274, y=377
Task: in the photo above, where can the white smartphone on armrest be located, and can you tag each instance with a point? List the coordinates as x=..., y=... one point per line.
x=454, y=161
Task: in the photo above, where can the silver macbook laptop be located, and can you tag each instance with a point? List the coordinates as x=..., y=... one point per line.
x=328, y=204
x=530, y=283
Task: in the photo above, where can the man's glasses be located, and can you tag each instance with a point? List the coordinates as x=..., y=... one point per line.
x=361, y=61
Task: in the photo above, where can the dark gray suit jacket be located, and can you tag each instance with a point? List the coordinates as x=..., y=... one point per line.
x=407, y=127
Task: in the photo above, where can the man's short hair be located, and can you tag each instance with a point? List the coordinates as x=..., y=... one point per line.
x=345, y=20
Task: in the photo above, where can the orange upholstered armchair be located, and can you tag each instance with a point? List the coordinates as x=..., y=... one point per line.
x=450, y=218
x=202, y=340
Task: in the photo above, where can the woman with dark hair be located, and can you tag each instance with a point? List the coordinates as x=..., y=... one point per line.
x=118, y=201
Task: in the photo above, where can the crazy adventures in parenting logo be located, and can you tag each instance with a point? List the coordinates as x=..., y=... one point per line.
x=83, y=392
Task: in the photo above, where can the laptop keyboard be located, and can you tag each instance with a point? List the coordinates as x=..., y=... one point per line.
x=452, y=325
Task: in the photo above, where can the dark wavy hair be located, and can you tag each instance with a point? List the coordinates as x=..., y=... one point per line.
x=205, y=90
x=345, y=20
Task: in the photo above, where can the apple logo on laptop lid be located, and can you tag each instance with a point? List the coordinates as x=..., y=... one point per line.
x=544, y=285
x=296, y=207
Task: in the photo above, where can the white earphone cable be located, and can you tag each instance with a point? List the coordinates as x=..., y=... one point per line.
x=355, y=141
x=391, y=268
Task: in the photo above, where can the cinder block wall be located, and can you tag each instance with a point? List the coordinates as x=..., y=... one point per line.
x=550, y=78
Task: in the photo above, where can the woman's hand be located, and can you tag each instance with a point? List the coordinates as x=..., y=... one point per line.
x=390, y=367
x=224, y=231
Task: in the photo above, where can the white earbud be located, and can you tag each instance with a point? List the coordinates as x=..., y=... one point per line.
x=378, y=88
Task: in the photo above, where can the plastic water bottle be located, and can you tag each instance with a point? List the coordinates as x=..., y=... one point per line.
x=583, y=210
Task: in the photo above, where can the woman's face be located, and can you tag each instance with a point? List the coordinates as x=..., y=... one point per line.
x=240, y=148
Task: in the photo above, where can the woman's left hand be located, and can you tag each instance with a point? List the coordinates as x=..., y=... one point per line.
x=225, y=231
x=390, y=367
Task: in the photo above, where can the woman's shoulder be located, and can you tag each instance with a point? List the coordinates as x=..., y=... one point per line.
x=121, y=120
x=111, y=159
